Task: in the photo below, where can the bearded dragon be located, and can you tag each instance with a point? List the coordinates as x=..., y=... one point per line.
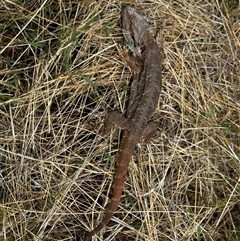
x=145, y=91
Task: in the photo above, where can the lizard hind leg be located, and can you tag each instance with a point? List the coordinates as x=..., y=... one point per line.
x=114, y=117
x=149, y=132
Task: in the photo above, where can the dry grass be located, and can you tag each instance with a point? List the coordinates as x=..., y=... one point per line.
x=62, y=68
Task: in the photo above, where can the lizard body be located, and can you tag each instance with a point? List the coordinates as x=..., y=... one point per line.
x=145, y=91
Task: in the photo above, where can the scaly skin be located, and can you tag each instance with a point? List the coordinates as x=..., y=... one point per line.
x=145, y=91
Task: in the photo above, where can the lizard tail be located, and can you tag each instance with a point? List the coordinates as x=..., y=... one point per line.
x=123, y=160
x=112, y=207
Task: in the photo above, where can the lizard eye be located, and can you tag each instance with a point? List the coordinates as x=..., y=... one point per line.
x=131, y=20
x=133, y=23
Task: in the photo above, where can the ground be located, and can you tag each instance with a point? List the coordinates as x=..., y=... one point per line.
x=62, y=68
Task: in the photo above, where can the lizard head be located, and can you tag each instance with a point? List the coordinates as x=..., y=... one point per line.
x=134, y=27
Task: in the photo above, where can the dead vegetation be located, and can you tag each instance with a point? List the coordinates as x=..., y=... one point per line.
x=62, y=68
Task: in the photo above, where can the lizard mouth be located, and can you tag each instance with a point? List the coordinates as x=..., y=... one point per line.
x=127, y=28
x=134, y=26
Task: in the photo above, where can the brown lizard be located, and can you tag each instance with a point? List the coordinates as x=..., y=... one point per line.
x=145, y=91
